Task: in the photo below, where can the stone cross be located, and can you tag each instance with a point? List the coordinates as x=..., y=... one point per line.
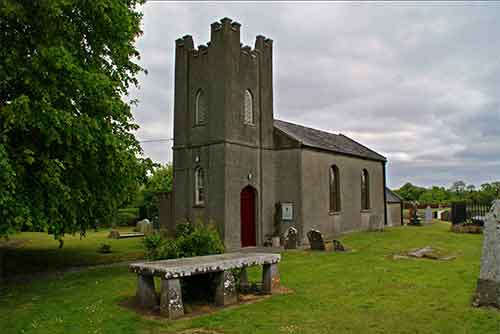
x=316, y=240
x=488, y=284
x=291, y=238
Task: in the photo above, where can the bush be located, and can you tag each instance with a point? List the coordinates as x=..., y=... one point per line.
x=152, y=244
x=127, y=217
x=191, y=240
x=104, y=248
x=203, y=240
x=184, y=229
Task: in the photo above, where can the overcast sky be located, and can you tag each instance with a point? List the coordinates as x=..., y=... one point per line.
x=418, y=83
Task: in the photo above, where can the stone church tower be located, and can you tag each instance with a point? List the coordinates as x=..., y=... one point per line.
x=223, y=135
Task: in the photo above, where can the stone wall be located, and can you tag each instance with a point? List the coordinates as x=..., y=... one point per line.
x=394, y=214
x=315, y=193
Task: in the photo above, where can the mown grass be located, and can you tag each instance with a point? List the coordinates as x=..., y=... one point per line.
x=362, y=291
x=37, y=252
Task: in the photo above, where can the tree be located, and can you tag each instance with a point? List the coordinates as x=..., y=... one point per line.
x=160, y=179
x=409, y=192
x=68, y=156
x=458, y=187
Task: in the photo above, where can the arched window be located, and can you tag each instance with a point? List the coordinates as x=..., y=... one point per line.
x=248, y=108
x=365, y=190
x=334, y=189
x=201, y=107
x=199, y=186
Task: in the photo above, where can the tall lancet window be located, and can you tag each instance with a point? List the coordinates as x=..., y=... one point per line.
x=199, y=186
x=248, y=117
x=201, y=107
x=365, y=190
x=334, y=189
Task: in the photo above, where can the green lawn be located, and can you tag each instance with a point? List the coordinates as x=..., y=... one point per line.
x=40, y=252
x=363, y=291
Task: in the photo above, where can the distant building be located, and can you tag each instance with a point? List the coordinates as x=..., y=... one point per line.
x=394, y=208
x=234, y=164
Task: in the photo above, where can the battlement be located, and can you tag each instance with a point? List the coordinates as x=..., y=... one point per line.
x=221, y=31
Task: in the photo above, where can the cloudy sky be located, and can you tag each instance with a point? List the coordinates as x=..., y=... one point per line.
x=418, y=83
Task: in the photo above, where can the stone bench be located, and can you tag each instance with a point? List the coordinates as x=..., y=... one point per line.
x=171, y=271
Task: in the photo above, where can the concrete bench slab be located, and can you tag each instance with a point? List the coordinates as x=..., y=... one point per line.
x=171, y=271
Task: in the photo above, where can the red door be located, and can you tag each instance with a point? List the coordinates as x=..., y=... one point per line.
x=247, y=212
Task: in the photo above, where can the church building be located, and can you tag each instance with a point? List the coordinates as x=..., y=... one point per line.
x=252, y=175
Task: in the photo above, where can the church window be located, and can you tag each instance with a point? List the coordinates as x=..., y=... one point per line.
x=248, y=116
x=365, y=190
x=199, y=186
x=201, y=107
x=334, y=189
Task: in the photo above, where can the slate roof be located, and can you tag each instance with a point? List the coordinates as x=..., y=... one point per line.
x=327, y=141
x=391, y=197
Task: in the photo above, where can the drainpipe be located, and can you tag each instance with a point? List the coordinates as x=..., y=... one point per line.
x=385, y=195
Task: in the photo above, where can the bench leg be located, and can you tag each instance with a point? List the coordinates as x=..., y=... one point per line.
x=146, y=291
x=225, y=290
x=243, y=276
x=171, y=298
x=270, y=278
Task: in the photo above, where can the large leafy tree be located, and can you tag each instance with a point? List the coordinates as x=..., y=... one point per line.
x=68, y=156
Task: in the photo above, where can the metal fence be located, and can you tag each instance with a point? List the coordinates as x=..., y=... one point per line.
x=469, y=212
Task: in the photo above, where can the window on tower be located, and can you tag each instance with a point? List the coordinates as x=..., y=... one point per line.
x=248, y=117
x=199, y=186
x=201, y=107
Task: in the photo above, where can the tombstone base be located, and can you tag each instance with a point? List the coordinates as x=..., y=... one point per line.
x=487, y=293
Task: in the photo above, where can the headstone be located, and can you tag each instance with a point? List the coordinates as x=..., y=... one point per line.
x=114, y=234
x=144, y=226
x=445, y=216
x=316, y=240
x=488, y=284
x=428, y=214
x=337, y=246
x=375, y=223
x=291, y=238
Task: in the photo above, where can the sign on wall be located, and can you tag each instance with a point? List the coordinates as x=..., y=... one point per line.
x=287, y=211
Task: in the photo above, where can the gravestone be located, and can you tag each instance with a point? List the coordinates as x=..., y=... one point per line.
x=291, y=238
x=428, y=214
x=488, y=284
x=144, y=226
x=316, y=240
x=445, y=216
x=375, y=223
x=337, y=246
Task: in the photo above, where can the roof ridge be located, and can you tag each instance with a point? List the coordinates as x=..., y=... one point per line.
x=308, y=127
x=369, y=149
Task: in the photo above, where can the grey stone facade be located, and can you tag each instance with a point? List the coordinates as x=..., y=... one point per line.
x=283, y=162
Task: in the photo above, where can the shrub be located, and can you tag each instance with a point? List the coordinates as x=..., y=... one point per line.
x=191, y=240
x=203, y=240
x=152, y=244
x=184, y=229
x=104, y=248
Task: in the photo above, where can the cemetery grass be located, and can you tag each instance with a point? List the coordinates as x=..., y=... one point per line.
x=34, y=252
x=362, y=291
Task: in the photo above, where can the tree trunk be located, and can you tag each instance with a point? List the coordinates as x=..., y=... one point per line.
x=2, y=253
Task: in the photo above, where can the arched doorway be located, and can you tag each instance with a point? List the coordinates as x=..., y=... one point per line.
x=247, y=217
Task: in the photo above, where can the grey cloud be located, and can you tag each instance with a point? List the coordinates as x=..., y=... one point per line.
x=417, y=82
